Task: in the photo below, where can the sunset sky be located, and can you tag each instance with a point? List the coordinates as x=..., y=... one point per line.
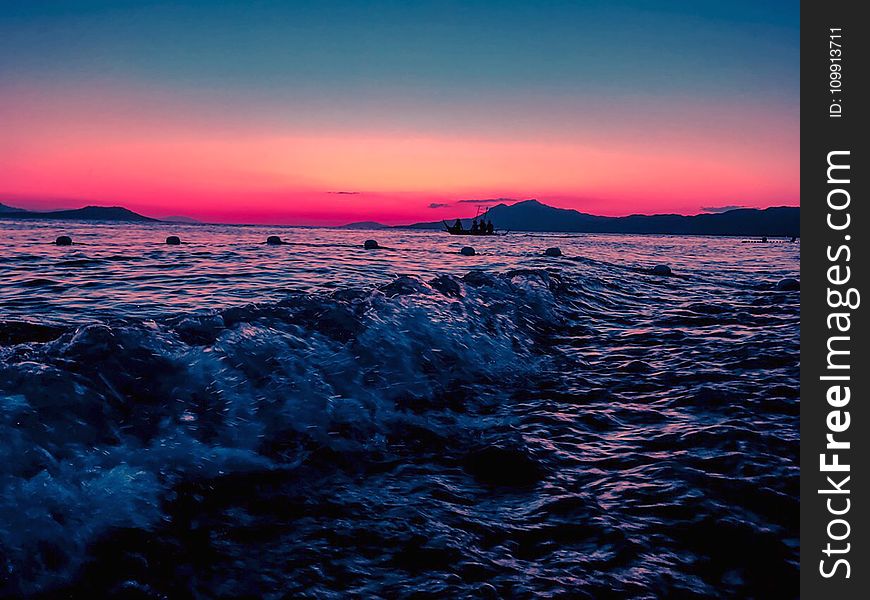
x=328, y=111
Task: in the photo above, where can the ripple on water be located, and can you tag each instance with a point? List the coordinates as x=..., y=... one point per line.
x=527, y=430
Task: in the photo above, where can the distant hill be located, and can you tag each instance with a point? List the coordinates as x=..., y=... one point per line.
x=88, y=213
x=4, y=208
x=531, y=215
x=365, y=225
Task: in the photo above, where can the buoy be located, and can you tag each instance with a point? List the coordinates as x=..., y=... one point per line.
x=553, y=252
x=371, y=245
x=173, y=240
x=661, y=270
x=467, y=251
x=788, y=284
x=274, y=240
x=63, y=240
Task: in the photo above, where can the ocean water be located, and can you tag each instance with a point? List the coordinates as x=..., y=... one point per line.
x=315, y=420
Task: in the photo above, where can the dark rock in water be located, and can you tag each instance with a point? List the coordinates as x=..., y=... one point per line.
x=788, y=285
x=63, y=240
x=503, y=466
x=488, y=591
x=661, y=270
x=371, y=245
x=173, y=240
x=274, y=240
x=555, y=251
x=467, y=251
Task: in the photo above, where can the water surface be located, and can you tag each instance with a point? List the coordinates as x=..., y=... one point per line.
x=316, y=420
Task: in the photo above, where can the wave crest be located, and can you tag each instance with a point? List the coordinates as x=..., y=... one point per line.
x=101, y=423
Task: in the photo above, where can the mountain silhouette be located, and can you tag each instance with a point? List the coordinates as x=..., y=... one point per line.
x=88, y=213
x=364, y=225
x=531, y=215
x=5, y=208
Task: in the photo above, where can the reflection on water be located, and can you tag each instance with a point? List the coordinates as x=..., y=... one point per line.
x=225, y=418
x=128, y=269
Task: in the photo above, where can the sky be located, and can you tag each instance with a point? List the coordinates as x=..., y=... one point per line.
x=329, y=111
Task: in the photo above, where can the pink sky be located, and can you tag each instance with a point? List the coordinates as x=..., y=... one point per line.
x=161, y=155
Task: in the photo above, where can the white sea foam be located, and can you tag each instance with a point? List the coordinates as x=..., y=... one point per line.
x=99, y=424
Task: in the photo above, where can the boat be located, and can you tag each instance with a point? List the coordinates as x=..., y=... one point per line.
x=453, y=230
x=458, y=229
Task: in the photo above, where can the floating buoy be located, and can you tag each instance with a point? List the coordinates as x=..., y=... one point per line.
x=274, y=240
x=788, y=284
x=661, y=270
x=371, y=245
x=467, y=251
x=555, y=251
x=173, y=240
x=63, y=240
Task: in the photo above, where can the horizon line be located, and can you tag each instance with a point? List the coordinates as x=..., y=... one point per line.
x=195, y=221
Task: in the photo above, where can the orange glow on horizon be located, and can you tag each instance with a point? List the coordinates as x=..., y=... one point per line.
x=164, y=164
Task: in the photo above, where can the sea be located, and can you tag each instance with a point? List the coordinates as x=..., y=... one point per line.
x=230, y=419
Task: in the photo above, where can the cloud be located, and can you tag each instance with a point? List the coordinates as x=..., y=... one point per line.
x=720, y=209
x=487, y=200
x=345, y=193
x=438, y=205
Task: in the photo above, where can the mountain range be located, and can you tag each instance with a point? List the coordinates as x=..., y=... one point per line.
x=528, y=215
x=531, y=215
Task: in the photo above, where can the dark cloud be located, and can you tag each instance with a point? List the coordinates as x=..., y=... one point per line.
x=720, y=209
x=438, y=205
x=346, y=193
x=487, y=200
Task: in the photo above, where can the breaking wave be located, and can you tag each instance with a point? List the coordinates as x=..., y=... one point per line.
x=589, y=432
x=101, y=425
